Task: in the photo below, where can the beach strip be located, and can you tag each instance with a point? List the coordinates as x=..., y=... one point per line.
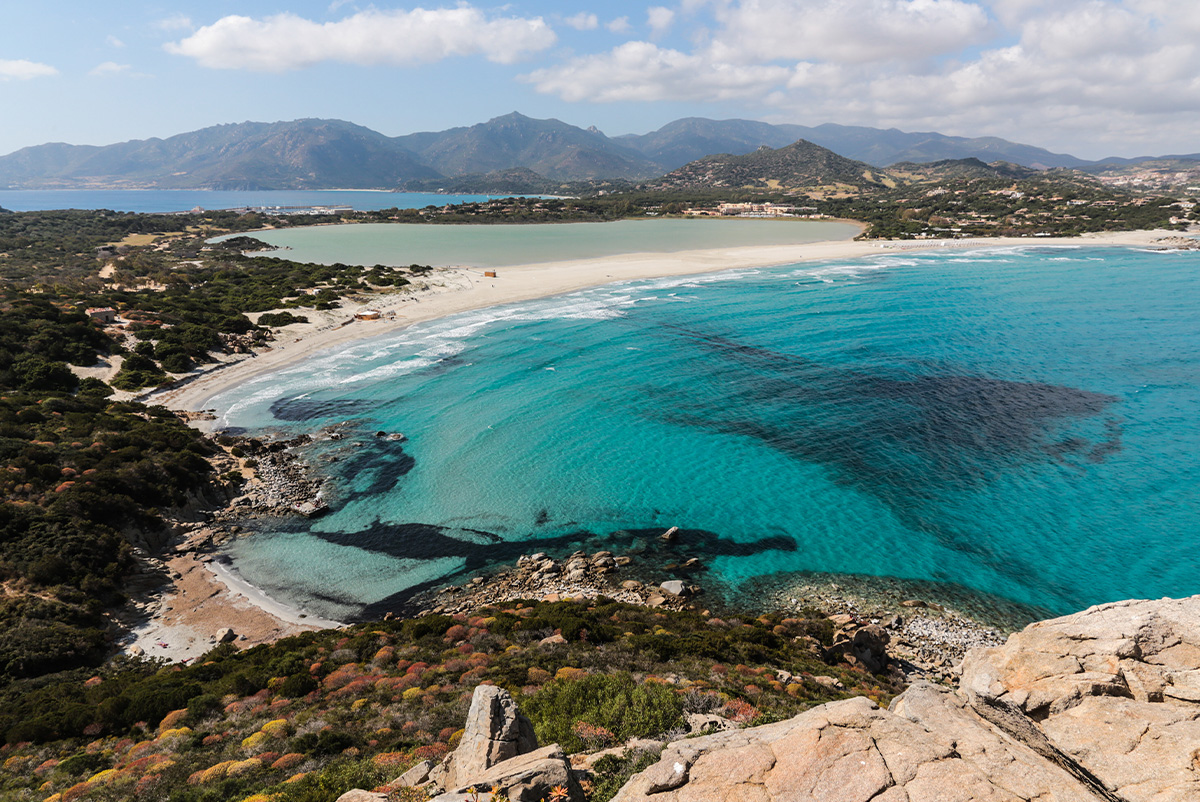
x=462, y=289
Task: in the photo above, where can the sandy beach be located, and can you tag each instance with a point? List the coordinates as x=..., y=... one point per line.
x=459, y=289
x=208, y=596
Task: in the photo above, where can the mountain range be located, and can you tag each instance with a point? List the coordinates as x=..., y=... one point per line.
x=324, y=154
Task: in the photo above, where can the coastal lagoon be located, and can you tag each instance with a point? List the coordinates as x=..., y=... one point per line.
x=1016, y=422
x=502, y=245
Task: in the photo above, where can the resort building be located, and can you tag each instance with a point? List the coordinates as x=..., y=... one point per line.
x=756, y=210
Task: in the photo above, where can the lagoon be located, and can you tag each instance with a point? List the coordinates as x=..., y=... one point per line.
x=506, y=245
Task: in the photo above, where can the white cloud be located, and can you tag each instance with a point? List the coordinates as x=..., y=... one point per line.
x=659, y=18
x=619, y=25
x=178, y=22
x=644, y=71
x=848, y=31
x=114, y=42
x=108, y=68
x=22, y=70
x=287, y=42
x=583, y=21
x=1075, y=75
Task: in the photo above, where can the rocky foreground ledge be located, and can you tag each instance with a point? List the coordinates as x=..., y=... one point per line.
x=1099, y=705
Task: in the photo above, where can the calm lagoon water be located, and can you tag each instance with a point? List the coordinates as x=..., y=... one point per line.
x=504, y=245
x=182, y=200
x=1024, y=423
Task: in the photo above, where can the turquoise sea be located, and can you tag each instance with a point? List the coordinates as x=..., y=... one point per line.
x=1023, y=423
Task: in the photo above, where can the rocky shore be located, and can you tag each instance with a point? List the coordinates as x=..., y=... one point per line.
x=921, y=639
x=872, y=623
x=1177, y=244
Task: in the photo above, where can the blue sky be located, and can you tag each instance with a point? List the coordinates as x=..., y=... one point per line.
x=1089, y=77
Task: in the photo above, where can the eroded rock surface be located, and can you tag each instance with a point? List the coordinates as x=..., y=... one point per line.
x=1100, y=705
x=495, y=732
x=1115, y=687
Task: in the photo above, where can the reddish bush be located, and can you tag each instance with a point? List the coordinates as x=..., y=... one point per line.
x=288, y=761
x=434, y=751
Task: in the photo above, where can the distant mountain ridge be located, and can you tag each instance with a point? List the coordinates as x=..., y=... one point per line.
x=329, y=154
x=304, y=154
x=550, y=148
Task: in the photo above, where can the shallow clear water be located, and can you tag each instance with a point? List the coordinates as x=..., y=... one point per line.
x=1019, y=422
x=496, y=245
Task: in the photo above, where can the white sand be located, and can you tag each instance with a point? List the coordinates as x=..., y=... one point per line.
x=461, y=289
x=182, y=624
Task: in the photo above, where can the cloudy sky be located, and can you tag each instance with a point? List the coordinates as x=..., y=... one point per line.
x=1088, y=77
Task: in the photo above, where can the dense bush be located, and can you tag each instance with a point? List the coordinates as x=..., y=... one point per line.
x=618, y=703
x=280, y=319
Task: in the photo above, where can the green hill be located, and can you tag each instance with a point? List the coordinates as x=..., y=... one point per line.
x=798, y=166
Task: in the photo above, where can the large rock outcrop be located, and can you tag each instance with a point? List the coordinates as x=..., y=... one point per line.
x=1100, y=705
x=1116, y=688
x=495, y=732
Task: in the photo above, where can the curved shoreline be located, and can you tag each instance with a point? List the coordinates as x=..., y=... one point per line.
x=457, y=290
x=461, y=289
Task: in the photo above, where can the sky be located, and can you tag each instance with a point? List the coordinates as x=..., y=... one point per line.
x=1093, y=78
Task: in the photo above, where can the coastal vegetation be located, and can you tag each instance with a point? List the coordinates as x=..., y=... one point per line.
x=312, y=716
x=87, y=480
x=83, y=475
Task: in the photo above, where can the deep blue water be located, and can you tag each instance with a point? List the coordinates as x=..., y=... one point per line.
x=1024, y=423
x=182, y=200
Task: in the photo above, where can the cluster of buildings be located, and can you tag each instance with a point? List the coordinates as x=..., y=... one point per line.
x=756, y=210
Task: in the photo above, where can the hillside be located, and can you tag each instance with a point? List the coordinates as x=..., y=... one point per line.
x=692, y=138
x=961, y=169
x=308, y=154
x=689, y=139
x=798, y=166
x=304, y=154
x=1166, y=174
x=317, y=714
x=550, y=148
x=886, y=147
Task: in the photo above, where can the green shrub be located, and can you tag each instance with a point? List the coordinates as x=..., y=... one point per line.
x=273, y=319
x=616, y=702
x=298, y=685
x=611, y=773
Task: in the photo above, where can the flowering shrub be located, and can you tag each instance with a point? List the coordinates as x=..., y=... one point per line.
x=739, y=711
x=434, y=751
x=277, y=728
x=255, y=741
x=242, y=767
x=390, y=760
x=172, y=720
x=288, y=761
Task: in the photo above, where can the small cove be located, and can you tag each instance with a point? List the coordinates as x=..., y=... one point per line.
x=1014, y=422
